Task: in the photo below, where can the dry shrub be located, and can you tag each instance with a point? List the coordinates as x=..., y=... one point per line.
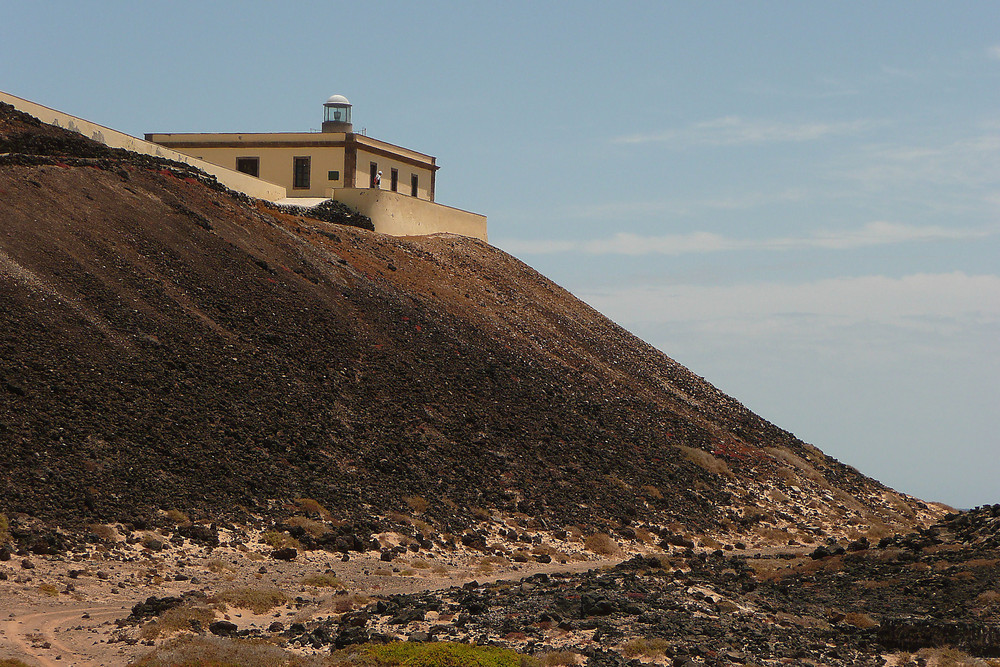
x=603, y=544
x=12, y=662
x=323, y=579
x=651, y=648
x=805, y=468
x=947, y=657
x=49, y=590
x=258, y=600
x=900, y=505
x=652, y=492
x=310, y=506
x=480, y=513
x=644, y=535
x=439, y=569
x=177, y=517
x=279, y=540
x=555, y=658
x=349, y=602
x=176, y=619
x=877, y=530
x=705, y=460
x=777, y=496
x=710, y=542
x=105, y=533
x=218, y=566
x=974, y=563
x=217, y=652
x=423, y=527
x=311, y=526
x=418, y=504
x=779, y=535
x=860, y=621
x=420, y=564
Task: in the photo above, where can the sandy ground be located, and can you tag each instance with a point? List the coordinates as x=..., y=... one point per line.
x=63, y=611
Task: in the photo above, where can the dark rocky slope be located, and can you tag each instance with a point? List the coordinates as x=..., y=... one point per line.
x=165, y=344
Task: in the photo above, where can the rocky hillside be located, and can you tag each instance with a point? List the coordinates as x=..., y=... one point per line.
x=168, y=345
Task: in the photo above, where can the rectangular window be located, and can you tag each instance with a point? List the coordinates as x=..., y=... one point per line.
x=373, y=168
x=413, y=185
x=394, y=180
x=300, y=172
x=333, y=176
x=248, y=165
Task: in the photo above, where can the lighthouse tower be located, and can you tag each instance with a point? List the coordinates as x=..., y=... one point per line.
x=337, y=114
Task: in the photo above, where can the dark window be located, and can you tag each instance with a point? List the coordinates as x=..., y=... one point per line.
x=394, y=180
x=333, y=176
x=300, y=175
x=248, y=165
x=373, y=168
x=413, y=185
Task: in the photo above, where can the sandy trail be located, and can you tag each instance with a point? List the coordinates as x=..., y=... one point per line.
x=68, y=634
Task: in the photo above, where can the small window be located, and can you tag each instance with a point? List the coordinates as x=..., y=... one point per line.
x=248, y=165
x=333, y=176
x=394, y=180
x=413, y=185
x=373, y=173
x=300, y=169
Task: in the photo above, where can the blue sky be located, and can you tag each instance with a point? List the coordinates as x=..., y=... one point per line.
x=798, y=201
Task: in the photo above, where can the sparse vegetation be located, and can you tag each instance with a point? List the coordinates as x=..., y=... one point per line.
x=311, y=526
x=177, y=517
x=4, y=528
x=48, y=589
x=436, y=654
x=105, y=533
x=649, y=648
x=258, y=600
x=279, y=540
x=177, y=619
x=323, y=580
x=705, y=460
x=603, y=544
x=417, y=504
x=310, y=506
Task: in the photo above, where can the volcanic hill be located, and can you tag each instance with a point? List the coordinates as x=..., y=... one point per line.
x=166, y=344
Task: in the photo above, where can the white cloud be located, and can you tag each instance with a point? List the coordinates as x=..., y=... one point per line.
x=873, y=234
x=942, y=303
x=733, y=131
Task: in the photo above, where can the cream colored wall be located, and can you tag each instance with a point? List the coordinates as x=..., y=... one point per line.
x=230, y=178
x=402, y=215
x=276, y=165
x=363, y=177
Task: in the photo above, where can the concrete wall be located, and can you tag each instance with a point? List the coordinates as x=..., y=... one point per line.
x=235, y=180
x=276, y=165
x=386, y=165
x=401, y=215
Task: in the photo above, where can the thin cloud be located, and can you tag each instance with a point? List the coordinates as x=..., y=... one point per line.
x=873, y=234
x=917, y=302
x=735, y=131
x=993, y=52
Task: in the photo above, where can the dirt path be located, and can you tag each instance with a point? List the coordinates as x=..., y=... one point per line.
x=61, y=638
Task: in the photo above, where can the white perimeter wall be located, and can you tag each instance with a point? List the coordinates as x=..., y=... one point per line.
x=401, y=215
x=230, y=178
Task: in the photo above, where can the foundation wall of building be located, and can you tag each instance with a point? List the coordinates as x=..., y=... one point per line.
x=401, y=215
x=235, y=180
